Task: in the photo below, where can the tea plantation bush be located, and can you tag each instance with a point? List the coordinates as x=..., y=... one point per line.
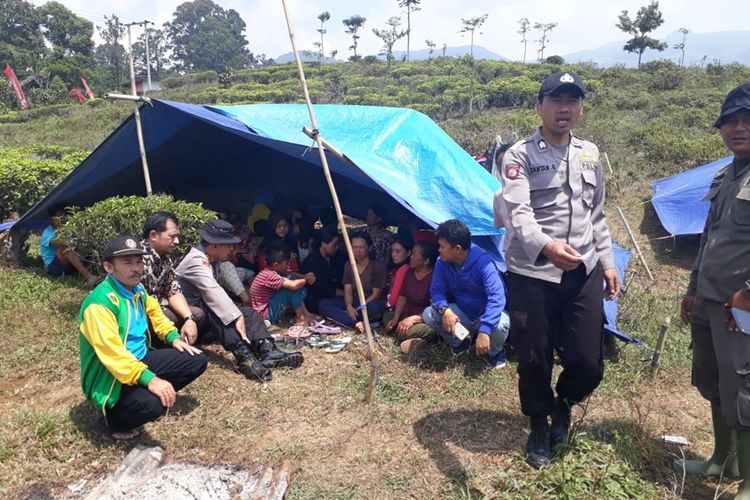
x=28, y=174
x=88, y=230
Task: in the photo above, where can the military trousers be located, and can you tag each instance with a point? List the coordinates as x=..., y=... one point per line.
x=567, y=317
x=721, y=362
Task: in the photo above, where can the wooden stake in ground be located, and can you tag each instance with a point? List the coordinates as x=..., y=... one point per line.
x=315, y=134
x=634, y=242
x=660, y=346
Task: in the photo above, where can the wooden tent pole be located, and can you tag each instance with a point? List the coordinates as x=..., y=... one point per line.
x=373, y=378
x=138, y=128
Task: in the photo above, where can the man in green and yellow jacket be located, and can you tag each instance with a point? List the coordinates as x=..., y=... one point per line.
x=128, y=380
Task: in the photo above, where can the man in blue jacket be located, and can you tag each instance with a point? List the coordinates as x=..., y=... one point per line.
x=467, y=292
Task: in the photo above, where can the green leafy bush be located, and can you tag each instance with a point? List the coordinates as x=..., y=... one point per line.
x=28, y=174
x=89, y=229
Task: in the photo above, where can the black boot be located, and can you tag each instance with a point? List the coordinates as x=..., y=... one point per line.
x=273, y=357
x=537, y=446
x=248, y=364
x=560, y=427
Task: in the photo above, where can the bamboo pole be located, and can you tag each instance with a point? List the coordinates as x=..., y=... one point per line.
x=372, y=381
x=634, y=242
x=138, y=128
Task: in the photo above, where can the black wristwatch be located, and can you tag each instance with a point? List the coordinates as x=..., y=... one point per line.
x=189, y=317
x=746, y=289
x=441, y=310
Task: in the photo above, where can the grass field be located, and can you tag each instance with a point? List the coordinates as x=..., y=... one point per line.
x=439, y=428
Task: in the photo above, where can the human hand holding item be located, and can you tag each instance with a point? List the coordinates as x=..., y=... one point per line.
x=738, y=317
x=562, y=255
x=686, y=308
x=449, y=320
x=613, y=284
x=183, y=346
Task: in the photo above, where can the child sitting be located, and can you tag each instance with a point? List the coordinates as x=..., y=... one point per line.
x=271, y=292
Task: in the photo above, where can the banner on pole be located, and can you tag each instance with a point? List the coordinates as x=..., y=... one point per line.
x=78, y=95
x=16, y=86
x=89, y=92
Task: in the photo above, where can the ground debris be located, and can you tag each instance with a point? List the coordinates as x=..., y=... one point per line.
x=144, y=474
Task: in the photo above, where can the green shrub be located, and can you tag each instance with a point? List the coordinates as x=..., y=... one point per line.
x=28, y=174
x=89, y=229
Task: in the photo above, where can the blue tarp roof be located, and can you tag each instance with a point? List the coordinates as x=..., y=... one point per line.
x=678, y=199
x=225, y=156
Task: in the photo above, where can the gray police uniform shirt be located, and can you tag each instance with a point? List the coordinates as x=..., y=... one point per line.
x=548, y=196
x=723, y=261
x=195, y=274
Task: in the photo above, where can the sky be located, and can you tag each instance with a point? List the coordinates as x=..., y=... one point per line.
x=581, y=24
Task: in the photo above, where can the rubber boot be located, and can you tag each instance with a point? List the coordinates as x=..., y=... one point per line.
x=537, y=446
x=273, y=357
x=248, y=364
x=725, y=448
x=558, y=434
x=743, y=458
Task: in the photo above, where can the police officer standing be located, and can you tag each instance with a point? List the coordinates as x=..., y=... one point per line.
x=558, y=251
x=718, y=283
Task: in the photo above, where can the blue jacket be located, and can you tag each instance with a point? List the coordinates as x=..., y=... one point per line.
x=476, y=287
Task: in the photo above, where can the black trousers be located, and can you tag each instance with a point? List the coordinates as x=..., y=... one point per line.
x=227, y=335
x=137, y=405
x=197, y=312
x=567, y=317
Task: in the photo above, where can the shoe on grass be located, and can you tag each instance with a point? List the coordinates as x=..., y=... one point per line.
x=410, y=346
x=499, y=360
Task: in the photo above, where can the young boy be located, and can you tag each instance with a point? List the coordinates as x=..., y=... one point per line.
x=271, y=293
x=59, y=260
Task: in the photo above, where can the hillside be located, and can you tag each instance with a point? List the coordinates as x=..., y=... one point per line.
x=723, y=46
x=440, y=427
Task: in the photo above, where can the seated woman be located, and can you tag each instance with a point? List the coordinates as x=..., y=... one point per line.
x=245, y=251
x=398, y=265
x=372, y=274
x=278, y=232
x=381, y=237
x=328, y=281
x=414, y=296
x=272, y=293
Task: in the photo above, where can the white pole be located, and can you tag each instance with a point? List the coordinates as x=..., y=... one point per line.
x=138, y=129
x=339, y=214
x=148, y=56
x=634, y=242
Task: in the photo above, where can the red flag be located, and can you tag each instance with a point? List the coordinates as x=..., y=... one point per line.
x=16, y=86
x=89, y=93
x=78, y=95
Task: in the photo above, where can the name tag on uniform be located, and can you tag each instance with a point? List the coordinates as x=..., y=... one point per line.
x=541, y=169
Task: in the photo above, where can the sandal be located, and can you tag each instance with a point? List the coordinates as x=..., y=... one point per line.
x=117, y=435
x=298, y=332
x=321, y=327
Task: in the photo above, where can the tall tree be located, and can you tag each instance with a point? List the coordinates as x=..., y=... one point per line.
x=681, y=46
x=204, y=36
x=431, y=46
x=111, y=55
x=322, y=17
x=543, y=40
x=390, y=37
x=525, y=28
x=65, y=31
x=157, y=47
x=353, y=24
x=647, y=19
x=21, y=41
x=471, y=25
x=411, y=6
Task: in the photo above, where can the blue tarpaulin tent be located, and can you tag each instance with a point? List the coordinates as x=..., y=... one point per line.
x=678, y=199
x=221, y=155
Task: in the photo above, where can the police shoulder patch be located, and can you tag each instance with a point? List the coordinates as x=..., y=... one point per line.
x=205, y=263
x=512, y=170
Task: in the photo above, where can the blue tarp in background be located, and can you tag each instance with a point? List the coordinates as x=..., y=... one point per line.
x=622, y=259
x=678, y=199
x=225, y=155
